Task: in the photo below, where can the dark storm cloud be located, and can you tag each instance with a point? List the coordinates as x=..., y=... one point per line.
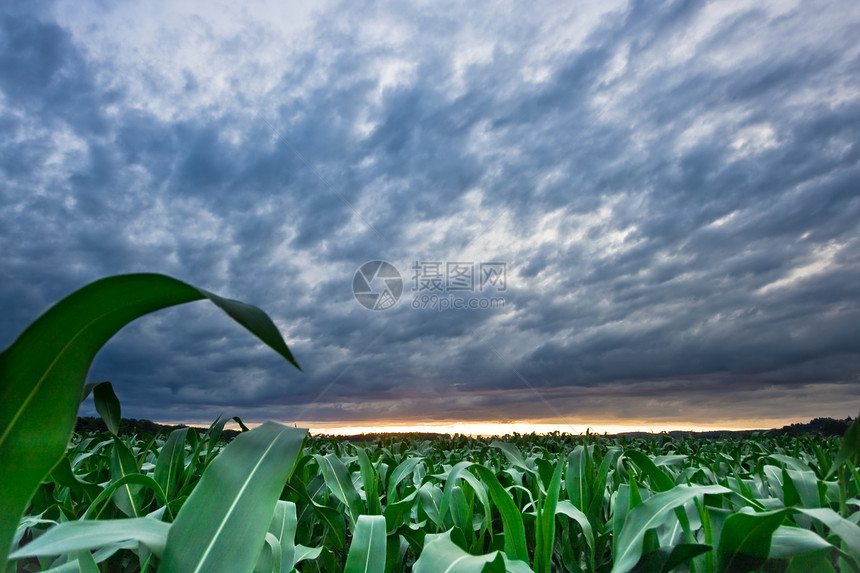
x=672, y=187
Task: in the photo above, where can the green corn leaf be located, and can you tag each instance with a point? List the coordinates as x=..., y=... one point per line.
x=370, y=481
x=223, y=524
x=461, y=511
x=242, y=426
x=564, y=507
x=269, y=560
x=283, y=527
x=651, y=513
x=122, y=463
x=595, y=509
x=340, y=484
x=306, y=553
x=745, y=540
x=400, y=473
x=682, y=553
x=665, y=559
x=368, y=548
x=430, y=497
x=849, y=448
x=512, y=519
x=107, y=405
x=457, y=472
x=396, y=513
x=546, y=523
x=805, y=484
x=578, y=478
x=63, y=475
x=818, y=562
x=335, y=527
x=42, y=373
x=442, y=555
x=789, y=542
x=514, y=455
x=170, y=465
x=790, y=462
x=86, y=535
x=621, y=507
x=659, y=479
x=136, y=479
x=846, y=530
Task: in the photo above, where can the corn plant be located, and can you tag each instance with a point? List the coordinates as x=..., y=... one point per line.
x=42, y=374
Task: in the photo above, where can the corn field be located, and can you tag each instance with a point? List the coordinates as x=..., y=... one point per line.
x=276, y=500
x=273, y=500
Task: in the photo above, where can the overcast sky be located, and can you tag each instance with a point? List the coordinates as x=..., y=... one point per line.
x=658, y=203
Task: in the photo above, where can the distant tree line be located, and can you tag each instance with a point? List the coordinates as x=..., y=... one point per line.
x=823, y=426
x=132, y=426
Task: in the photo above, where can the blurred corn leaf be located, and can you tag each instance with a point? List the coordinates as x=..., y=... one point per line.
x=849, y=448
x=107, y=405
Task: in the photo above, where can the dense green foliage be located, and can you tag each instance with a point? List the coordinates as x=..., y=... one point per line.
x=540, y=503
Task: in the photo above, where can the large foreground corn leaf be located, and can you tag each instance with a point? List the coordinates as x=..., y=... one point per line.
x=367, y=551
x=86, y=535
x=42, y=373
x=223, y=524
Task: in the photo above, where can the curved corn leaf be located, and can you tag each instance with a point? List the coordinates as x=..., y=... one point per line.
x=85, y=535
x=137, y=479
x=564, y=507
x=223, y=524
x=651, y=513
x=42, y=373
x=107, y=405
x=269, y=560
x=441, y=555
x=512, y=519
x=367, y=551
x=514, y=455
x=745, y=540
x=400, y=473
x=339, y=482
x=847, y=531
x=659, y=479
x=457, y=472
x=665, y=559
x=793, y=541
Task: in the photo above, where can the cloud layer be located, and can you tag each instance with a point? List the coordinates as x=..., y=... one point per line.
x=674, y=189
